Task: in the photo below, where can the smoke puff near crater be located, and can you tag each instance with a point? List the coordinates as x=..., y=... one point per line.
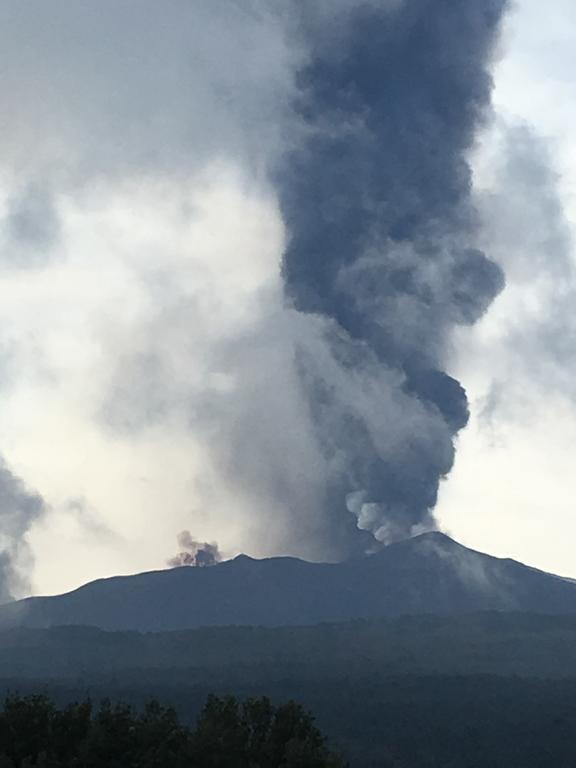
x=376, y=197
x=194, y=553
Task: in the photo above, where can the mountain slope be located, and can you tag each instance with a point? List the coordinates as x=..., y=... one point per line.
x=428, y=574
x=490, y=643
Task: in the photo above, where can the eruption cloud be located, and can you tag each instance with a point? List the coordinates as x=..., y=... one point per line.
x=237, y=237
x=376, y=196
x=195, y=553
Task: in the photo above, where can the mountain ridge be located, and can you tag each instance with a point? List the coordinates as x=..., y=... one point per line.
x=430, y=573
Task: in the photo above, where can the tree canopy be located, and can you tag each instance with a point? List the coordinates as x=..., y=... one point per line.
x=35, y=733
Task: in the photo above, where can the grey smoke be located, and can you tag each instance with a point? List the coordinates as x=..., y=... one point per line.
x=525, y=226
x=31, y=228
x=123, y=89
x=98, y=96
x=337, y=416
x=194, y=553
x=342, y=418
x=383, y=243
x=20, y=508
x=88, y=519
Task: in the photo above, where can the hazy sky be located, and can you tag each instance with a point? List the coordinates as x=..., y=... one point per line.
x=513, y=490
x=139, y=284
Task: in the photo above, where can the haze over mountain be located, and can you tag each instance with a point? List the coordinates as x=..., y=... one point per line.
x=428, y=574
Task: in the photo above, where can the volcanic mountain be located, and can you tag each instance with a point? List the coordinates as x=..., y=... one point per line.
x=429, y=574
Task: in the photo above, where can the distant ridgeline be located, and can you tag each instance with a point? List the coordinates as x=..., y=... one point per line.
x=524, y=645
x=429, y=574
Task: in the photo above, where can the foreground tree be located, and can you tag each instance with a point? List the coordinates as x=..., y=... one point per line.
x=34, y=733
x=256, y=733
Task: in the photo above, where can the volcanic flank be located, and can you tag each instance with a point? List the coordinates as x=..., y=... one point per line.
x=429, y=574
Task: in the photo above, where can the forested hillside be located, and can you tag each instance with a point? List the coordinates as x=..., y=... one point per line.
x=495, y=690
x=485, y=643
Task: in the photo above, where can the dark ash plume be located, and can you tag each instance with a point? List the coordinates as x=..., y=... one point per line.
x=382, y=244
x=195, y=553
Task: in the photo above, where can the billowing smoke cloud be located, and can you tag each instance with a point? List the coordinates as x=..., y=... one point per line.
x=194, y=553
x=248, y=237
x=382, y=243
x=131, y=195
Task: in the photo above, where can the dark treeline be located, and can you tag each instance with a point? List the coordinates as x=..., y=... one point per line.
x=402, y=722
x=484, y=691
x=485, y=643
x=35, y=733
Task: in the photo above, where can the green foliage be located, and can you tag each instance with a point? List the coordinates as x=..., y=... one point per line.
x=255, y=733
x=34, y=733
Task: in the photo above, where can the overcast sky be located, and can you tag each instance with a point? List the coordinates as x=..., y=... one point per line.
x=513, y=489
x=140, y=288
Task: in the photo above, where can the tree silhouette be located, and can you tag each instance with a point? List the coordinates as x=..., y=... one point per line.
x=34, y=733
x=256, y=733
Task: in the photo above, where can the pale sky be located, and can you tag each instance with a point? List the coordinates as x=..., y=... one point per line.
x=159, y=244
x=513, y=490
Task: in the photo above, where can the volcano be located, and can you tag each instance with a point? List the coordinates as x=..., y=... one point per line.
x=428, y=574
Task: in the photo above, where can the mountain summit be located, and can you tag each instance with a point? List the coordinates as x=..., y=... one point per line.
x=429, y=574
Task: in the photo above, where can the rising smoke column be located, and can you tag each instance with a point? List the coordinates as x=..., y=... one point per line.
x=376, y=197
x=20, y=508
